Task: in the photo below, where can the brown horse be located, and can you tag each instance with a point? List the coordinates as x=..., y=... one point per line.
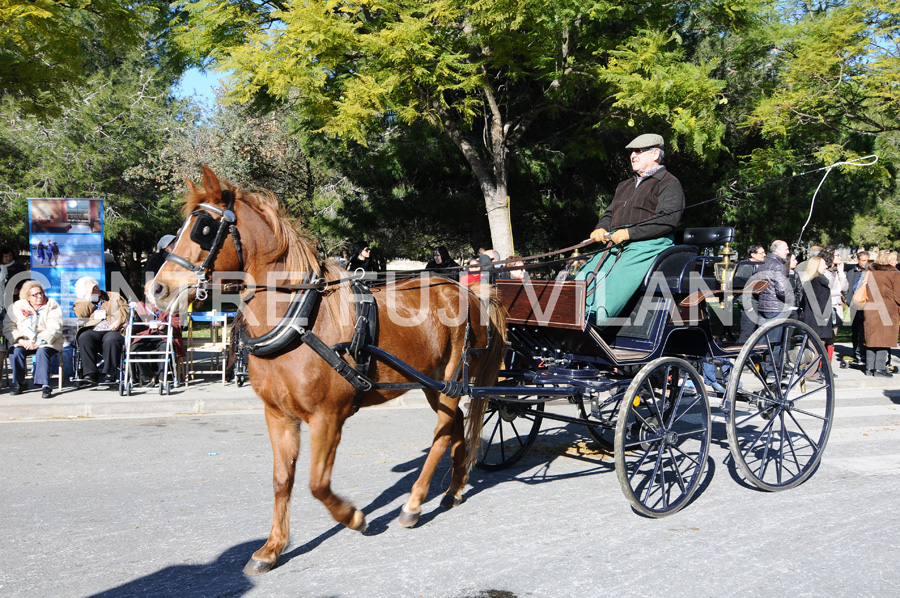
x=424, y=322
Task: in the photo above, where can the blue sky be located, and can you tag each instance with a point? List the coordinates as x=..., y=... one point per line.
x=198, y=84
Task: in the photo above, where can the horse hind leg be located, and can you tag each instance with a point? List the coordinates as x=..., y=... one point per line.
x=325, y=434
x=446, y=409
x=284, y=433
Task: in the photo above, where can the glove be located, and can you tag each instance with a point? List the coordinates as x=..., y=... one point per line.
x=600, y=235
x=620, y=236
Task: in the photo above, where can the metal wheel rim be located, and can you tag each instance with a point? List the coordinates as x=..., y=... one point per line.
x=662, y=440
x=778, y=420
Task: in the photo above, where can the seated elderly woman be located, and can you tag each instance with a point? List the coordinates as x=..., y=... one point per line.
x=106, y=314
x=33, y=327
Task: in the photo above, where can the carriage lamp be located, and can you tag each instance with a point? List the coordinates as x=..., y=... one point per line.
x=575, y=264
x=725, y=266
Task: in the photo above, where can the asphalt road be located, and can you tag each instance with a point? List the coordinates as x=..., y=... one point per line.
x=175, y=506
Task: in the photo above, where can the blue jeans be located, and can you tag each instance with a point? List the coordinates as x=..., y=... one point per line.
x=42, y=359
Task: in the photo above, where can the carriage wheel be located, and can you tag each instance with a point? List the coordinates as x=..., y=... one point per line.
x=121, y=388
x=508, y=432
x=780, y=405
x=662, y=437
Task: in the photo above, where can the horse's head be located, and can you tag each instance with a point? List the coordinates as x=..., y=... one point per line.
x=201, y=246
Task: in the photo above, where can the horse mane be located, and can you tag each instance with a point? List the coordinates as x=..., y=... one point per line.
x=292, y=246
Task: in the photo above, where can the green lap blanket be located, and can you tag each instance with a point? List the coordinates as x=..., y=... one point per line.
x=618, y=279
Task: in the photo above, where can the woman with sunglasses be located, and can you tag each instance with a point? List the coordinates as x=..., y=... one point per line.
x=33, y=327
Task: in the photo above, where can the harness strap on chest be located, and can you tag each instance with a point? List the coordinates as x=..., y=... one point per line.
x=363, y=335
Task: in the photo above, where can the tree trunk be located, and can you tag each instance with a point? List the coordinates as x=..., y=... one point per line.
x=497, y=203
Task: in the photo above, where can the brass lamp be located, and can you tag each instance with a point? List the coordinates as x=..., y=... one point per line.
x=725, y=266
x=575, y=264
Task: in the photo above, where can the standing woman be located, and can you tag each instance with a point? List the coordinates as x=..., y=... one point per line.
x=882, y=313
x=33, y=327
x=796, y=286
x=817, y=299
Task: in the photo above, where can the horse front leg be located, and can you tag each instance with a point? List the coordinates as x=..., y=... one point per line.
x=446, y=409
x=458, y=448
x=325, y=434
x=284, y=433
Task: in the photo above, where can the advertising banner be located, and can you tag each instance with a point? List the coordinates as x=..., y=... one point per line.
x=66, y=243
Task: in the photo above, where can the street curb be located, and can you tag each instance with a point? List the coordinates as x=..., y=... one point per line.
x=196, y=399
x=211, y=396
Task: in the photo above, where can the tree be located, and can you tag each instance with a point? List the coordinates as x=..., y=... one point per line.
x=97, y=146
x=481, y=72
x=826, y=91
x=46, y=46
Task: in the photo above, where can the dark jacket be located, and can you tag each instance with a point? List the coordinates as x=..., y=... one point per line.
x=817, y=306
x=772, y=270
x=881, y=333
x=660, y=194
x=446, y=263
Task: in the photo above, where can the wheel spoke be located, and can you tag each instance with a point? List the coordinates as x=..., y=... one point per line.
x=811, y=442
x=678, y=477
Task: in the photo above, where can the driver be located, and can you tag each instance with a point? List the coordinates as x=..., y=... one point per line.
x=642, y=217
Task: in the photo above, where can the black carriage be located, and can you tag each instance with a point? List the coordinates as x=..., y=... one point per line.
x=643, y=388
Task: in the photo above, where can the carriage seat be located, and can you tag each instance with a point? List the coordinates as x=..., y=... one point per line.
x=677, y=262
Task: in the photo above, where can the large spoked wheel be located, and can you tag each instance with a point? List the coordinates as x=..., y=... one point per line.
x=780, y=405
x=508, y=432
x=662, y=437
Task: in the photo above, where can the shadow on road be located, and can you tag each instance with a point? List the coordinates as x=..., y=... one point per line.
x=192, y=581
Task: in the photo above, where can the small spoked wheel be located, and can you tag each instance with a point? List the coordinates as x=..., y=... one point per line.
x=662, y=437
x=508, y=432
x=780, y=405
x=602, y=410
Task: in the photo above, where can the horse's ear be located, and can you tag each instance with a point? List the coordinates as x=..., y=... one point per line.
x=211, y=183
x=191, y=187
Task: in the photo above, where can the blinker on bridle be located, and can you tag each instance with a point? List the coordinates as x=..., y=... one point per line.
x=209, y=233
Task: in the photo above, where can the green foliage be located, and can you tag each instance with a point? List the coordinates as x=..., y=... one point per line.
x=97, y=147
x=46, y=47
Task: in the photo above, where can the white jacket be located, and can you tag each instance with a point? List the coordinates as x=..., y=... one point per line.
x=45, y=326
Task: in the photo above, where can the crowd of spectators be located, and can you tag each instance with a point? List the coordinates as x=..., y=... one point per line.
x=819, y=291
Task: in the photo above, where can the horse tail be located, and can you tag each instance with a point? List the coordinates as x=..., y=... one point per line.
x=486, y=367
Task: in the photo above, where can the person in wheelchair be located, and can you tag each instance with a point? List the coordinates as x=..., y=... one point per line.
x=106, y=314
x=641, y=222
x=153, y=323
x=33, y=326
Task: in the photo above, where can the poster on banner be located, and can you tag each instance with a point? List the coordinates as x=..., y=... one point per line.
x=66, y=243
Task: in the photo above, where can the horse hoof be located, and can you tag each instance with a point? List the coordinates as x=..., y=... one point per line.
x=407, y=519
x=451, y=500
x=255, y=567
x=358, y=523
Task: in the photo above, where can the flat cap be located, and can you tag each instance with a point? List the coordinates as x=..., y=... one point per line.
x=646, y=140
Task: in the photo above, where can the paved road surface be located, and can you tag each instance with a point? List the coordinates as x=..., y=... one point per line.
x=174, y=506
